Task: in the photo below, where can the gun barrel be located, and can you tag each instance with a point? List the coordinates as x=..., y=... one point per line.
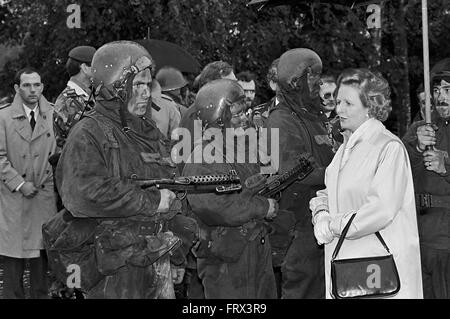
x=210, y=182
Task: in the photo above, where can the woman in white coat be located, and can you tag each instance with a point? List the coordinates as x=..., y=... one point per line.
x=370, y=175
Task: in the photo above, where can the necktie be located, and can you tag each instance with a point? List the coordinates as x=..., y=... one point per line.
x=32, y=121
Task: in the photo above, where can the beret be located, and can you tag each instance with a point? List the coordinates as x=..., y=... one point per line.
x=82, y=53
x=441, y=71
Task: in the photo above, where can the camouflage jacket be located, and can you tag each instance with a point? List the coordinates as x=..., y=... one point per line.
x=70, y=106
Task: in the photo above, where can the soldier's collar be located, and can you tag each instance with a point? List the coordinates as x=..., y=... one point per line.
x=78, y=87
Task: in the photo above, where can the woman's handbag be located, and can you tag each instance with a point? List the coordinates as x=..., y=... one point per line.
x=368, y=277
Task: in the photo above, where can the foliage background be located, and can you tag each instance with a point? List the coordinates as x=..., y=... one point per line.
x=229, y=31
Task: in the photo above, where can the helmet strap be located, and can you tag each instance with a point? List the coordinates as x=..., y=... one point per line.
x=124, y=93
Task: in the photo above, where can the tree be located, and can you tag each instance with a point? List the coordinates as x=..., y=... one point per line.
x=228, y=30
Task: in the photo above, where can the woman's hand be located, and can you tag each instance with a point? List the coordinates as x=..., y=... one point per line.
x=322, y=230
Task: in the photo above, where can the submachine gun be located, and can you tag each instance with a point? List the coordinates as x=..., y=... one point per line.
x=273, y=186
x=220, y=184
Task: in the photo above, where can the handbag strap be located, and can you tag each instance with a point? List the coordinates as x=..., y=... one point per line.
x=344, y=233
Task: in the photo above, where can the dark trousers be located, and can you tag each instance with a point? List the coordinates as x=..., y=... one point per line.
x=13, y=270
x=435, y=273
x=303, y=273
x=278, y=279
x=195, y=287
x=250, y=277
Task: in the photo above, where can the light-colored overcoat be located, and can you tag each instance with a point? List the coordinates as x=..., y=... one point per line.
x=371, y=175
x=24, y=157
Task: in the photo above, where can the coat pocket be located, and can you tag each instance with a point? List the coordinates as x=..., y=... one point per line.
x=228, y=244
x=222, y=245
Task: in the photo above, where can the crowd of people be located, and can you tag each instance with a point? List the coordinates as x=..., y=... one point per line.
x=69, y=172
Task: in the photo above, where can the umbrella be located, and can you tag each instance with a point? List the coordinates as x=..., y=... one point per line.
x=273, y=3
x=170, y=54
x=426, y=58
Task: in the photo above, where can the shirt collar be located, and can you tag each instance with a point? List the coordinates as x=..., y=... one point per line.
x=73, y=84
x=28, y=111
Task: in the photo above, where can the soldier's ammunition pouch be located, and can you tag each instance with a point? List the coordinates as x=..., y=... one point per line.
x=186, y=228
x=70, y=241
x=100, y=247
x=131, y=242
x=226, y=244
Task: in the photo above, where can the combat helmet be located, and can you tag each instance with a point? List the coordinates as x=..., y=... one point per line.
x=214, y=99
x=170, y=79
x=295, y=64
x=114, y=66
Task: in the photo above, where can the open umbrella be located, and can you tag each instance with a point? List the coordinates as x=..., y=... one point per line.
x=272, y=3
x=170, y=54
x=426, y=58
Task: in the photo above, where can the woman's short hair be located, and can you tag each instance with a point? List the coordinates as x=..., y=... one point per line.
x=212, y=71
x=272, y=74
x=374, y=91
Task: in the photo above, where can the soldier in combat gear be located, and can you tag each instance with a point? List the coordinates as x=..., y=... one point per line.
x=234, y=255
x=301, y=123
x=126, y=248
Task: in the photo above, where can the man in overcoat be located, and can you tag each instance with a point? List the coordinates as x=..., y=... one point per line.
x=27, y=198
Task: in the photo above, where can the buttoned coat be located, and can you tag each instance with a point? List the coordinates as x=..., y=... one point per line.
x=24, y=157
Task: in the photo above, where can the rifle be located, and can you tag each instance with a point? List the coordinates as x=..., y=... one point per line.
x=275, y=186
x=220, y=183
